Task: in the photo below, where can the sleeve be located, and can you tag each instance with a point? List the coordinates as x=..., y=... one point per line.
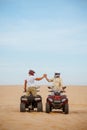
x=51, y=80
x=61, y=82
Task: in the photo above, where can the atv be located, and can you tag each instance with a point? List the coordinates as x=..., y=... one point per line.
x=30, y=103
x=57, y=101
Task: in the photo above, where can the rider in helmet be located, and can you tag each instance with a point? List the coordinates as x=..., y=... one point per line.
x=29, y=84
x=57, y=81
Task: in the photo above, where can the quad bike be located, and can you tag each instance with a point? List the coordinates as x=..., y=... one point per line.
x=57, y=101
x=31, y=102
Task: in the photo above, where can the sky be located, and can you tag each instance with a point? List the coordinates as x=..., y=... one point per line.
x=47, y=36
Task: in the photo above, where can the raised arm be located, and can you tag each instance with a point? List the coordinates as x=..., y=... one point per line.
x=40, y=78
x=49, y=80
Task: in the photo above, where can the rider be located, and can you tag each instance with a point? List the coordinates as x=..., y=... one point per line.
x=57, y=81
x=30, y=82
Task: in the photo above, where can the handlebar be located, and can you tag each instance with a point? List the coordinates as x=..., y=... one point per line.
x=61, y=91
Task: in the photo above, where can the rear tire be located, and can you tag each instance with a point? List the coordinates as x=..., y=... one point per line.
x=22, y=107
x=47, y=108
x=66, y=108
x=39, y=107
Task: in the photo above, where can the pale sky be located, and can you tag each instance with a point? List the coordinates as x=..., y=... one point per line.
x=47, y=36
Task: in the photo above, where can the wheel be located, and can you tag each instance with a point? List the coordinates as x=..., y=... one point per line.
x=22, y=107
x=66, y=108
x=63, y=108
x=50, y=109
x=39, y=107
x=47, y=107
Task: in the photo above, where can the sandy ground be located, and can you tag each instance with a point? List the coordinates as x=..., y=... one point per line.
x=12, y=119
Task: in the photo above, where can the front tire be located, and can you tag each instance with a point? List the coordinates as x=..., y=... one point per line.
x=39, y=107
x=47, y=107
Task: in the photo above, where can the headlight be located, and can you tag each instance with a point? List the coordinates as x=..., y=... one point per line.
x=24, y=99
x=50, y=99
x=63, y=100
x=37, y=99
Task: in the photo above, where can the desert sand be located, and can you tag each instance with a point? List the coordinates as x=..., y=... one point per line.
x=12, y=119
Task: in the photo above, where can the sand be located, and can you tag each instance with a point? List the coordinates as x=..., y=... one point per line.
x=12, y=119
